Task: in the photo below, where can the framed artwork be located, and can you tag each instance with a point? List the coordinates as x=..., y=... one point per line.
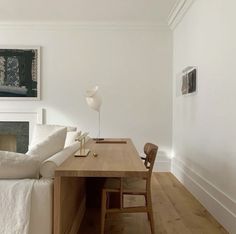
x=189, y=80
x=19, y=73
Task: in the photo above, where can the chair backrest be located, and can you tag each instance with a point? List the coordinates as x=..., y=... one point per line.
x=151, y=151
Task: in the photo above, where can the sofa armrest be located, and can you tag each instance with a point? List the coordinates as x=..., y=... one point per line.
x=49, y=166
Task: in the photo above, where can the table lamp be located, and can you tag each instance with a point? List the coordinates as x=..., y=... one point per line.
x=94, y=101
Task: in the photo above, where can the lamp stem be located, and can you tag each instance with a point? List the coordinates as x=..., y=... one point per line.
x=99, y=124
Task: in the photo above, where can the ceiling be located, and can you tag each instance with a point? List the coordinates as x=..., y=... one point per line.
x=148, y=11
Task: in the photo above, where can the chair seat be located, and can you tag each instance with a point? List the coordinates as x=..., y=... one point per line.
x=130, y=185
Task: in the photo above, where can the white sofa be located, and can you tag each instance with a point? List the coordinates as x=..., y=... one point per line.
x=39, y=216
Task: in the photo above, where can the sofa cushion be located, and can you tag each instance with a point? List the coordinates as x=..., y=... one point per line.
x=48, y=167
x=51, y=145
x=42, y=131
x=18, y=166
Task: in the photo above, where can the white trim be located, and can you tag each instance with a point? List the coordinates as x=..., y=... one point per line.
x=178, y=11
x=221, y=206
x=73, y=25
x=162, y=163
x=162, y=166
x=40, y=113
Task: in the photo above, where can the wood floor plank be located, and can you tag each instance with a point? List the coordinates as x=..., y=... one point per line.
x=176, y=211
x=192, y=213
x=169, y=220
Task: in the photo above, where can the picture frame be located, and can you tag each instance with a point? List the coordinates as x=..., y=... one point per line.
x=20, y=73
x=189, y=81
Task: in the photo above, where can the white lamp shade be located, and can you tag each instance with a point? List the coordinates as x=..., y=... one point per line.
x=94, y=99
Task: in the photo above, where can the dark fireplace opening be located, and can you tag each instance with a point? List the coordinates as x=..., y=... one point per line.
x=14, y=136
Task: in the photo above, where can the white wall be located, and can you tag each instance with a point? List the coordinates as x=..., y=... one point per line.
x=131, y=64
x=204, y=125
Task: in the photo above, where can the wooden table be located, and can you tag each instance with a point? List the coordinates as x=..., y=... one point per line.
x=113, y=160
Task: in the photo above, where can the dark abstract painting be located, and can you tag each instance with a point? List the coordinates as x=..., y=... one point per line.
x=19, y=73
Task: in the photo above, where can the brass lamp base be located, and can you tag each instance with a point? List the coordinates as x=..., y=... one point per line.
x=82, y=153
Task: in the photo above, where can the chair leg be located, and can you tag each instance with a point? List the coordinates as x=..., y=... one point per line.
x=150, y=213
x=146, y=206
x=103, y=211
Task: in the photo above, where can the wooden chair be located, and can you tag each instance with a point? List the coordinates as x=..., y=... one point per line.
x=130, y=186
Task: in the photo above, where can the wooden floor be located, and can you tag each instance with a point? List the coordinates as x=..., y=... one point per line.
x=176, y=211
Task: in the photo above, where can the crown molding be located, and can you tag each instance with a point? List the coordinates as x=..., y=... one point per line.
x=65, y=25
x=178, y=11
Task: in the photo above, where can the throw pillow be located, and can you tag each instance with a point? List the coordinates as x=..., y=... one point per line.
x=51, y=145
x=42, y=131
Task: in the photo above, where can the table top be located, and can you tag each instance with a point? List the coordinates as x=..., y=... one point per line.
x=113, y=159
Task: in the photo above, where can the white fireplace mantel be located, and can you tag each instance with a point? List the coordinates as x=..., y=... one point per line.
x=31, y=116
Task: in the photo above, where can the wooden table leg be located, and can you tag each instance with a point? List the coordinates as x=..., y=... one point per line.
x=57, y=205
x=69, y=204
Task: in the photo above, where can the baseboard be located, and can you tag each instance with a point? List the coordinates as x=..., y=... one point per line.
x=222, y=207
x=162, y=164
